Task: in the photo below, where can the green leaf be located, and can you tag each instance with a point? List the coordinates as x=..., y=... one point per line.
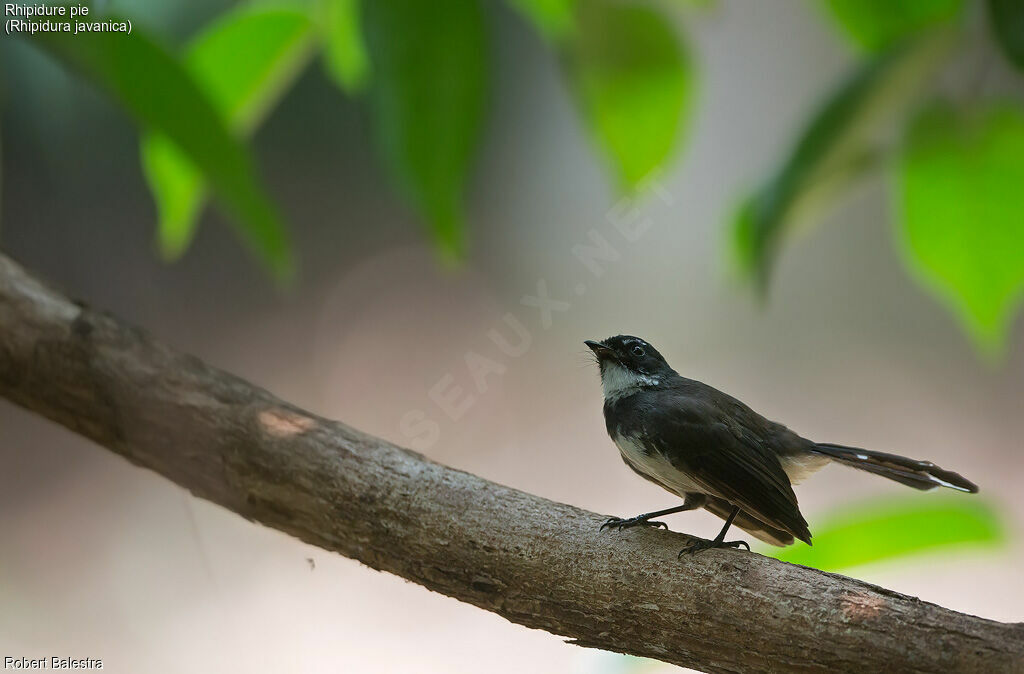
x=877, y=24
x=177, y=189
x=243, y=61
x=344, y=50
x=635, y=84
x=893, y=529
x=1007, y=17
x=155, y=89
x=552, y=18
x=962, y=228
x=846, y=137
x=428, y=88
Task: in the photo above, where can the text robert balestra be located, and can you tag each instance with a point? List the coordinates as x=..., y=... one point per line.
x=53, y=662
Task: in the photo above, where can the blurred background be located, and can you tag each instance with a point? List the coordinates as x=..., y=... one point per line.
x=812, y=210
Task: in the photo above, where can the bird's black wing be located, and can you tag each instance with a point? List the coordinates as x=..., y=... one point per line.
x=725, y=455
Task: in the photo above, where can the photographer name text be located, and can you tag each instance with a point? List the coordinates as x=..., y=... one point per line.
x=52, y=663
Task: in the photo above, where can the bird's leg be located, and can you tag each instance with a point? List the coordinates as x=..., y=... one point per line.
x=645, y=519
x=642, y=520
x=698, y=544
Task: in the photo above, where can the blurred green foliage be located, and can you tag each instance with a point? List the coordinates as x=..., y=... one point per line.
x=962, y=226
x=554, y=19
x=162, y=95
x=959, y=224
x=839, y=144
x=889, y=529
x=276, y=44
x=634, y=81
x=1007, y=18
x=428, y=90
x=877, y=24
x=423, y=69
x=344, y=51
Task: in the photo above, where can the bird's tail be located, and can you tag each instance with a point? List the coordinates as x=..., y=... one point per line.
x=917, y=474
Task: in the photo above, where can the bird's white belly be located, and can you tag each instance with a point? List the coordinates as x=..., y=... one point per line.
x=657, y=467
x=661, y=470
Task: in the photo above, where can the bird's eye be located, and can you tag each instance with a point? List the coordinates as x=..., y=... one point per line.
x=639, y=352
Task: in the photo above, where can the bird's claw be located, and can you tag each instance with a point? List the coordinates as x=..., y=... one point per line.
x=698, y=544
x=639, y=521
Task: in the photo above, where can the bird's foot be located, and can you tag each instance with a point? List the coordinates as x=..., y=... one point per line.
x=638, y=521
x=697, y=544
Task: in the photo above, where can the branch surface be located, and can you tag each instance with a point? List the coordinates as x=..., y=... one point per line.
x=535, y=562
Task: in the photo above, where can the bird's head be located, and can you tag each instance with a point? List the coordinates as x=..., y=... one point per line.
x=628, y=364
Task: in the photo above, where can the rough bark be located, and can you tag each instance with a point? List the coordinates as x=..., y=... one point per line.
x=535, y=562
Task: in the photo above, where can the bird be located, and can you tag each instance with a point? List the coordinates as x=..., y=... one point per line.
x=716, y=453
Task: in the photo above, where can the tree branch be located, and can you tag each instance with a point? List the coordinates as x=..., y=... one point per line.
x=535, y=562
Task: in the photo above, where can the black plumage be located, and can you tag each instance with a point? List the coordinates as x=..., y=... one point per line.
x=717, y=453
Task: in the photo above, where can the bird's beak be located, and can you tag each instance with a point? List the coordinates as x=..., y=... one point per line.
x=599, y=349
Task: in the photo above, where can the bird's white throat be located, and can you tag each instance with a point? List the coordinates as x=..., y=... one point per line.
x=618, y=381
